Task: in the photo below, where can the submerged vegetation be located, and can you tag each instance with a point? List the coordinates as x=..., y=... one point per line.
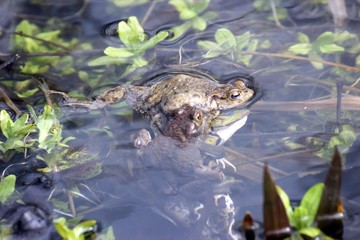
x=308, y=68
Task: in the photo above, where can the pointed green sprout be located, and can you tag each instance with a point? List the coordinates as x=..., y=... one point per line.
x=302, y=217
x=14, y=131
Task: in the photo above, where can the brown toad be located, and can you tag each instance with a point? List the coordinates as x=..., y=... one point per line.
x=167, y=100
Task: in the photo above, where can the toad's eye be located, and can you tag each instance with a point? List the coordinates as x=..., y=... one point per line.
x=234, y=94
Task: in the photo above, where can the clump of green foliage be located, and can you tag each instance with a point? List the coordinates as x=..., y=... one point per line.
x=325, y=43
x=45, y=133
x=7, y=187
x=302, y=217
x=194, y=15
x=32, y=39
x=136, y=43
x=76, y=233
x=227, y=44
x=343, y=141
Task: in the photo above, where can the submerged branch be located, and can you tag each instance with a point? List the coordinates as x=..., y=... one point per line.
x=349, y=103
x=288, y=56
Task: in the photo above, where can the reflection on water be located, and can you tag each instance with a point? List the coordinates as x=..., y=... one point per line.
x=164, y=190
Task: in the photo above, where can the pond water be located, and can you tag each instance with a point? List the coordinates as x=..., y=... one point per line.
x=305, y=68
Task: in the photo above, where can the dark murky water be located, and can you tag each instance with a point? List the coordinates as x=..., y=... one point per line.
x=297, y=108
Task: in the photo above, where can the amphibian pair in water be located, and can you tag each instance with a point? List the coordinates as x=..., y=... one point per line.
x=180, y=106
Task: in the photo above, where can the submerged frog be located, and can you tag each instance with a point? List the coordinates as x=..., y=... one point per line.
x=167, y=102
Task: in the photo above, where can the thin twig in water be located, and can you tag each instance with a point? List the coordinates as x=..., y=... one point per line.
x=339, y=88
x=10, y=103
x=287, y=56
x=148, y=12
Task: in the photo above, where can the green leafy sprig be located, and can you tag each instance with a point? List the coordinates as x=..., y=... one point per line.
x=226, y=43
x=136, y=43
x=325, y=43
x=194, y=15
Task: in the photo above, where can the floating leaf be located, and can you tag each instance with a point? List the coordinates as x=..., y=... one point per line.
x=7, y=187
x=303, y=38
x=331, y=48
x=118, y=52
x=225, y=38
x=311, y=201
x=300, y=48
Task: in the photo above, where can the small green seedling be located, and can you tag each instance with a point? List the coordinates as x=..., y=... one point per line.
x=192, y=12
x=77, y=233
x=325, y=43
x=226, y=43
x=343, y=141
x=302, y=217
x=136, y=43
x=7, y=187
x=15, y=132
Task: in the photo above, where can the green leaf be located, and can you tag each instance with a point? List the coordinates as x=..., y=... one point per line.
x=311, y=232
x=199, y=24
x=243, y=40
x=45, y=123
x=118, y=52
x=181, y=29
x=83, y=227
x=315, y=56
x=286, y=201
x=225, y=38
x=300, y=48
x=7, y=187
x=139, y=62
x=5, y=123
x=311, y=201
x=213, y=49
x=331, y=48
x=326, y=38
x=301, y=217
x=153, y=41
x=131, y=33
x=187, y=14
x=107, y=60
x=303, y=38
x=180, y=5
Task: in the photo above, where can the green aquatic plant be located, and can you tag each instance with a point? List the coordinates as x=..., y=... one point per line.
x=31, y=39
x=227, y=44
x=278, y=13
x=7, y=187
x=45, y=133
x=303, y=216
x=136, y=43
x=343, y=141
x=15, y=132
x=194, y=15
x=325, y=43
x=76, y=233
